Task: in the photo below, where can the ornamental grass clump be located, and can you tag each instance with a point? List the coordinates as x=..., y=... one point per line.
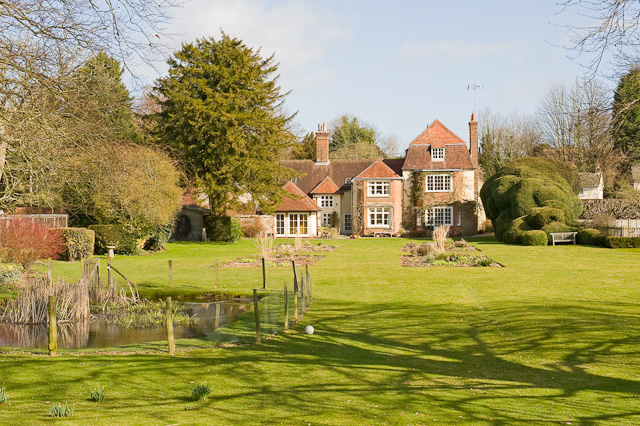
x=200, y=392
x=97, y=394
x=61, y=410
x=440, y=237
x=264, y=244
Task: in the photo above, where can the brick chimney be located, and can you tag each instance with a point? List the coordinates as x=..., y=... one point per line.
x=322, y=144
x=473, y=139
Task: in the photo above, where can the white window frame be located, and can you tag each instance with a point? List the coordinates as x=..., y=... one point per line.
x=437, y=154
x=379, y=188
x=326, y=219
x=347, y=223
x=436, y=216
x=379, y=217
x=298, y=222
x=438, y=183
x=326, y=201
x=281, y=224
x=459, y=216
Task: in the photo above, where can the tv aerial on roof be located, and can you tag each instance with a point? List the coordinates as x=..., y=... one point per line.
x=475, y=87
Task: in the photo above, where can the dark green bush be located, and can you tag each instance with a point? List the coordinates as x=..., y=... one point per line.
x=622, y=242
x=540, y=216
x=79, y=242
x=125, y=241
x=158, y=238
x=591, y=237
x=535, y=238
x=517, y=230
x=223, y=228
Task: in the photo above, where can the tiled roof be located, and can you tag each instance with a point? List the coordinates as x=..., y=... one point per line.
x=378, y=170
x=437, y=135
x=297, y=202
x=327, y=186
x=337, y=169
x=456, y=153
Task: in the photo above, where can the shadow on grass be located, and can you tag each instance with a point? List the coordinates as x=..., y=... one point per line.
x=519, y=363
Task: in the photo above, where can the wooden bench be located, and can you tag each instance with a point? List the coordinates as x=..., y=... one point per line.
x=563, y=237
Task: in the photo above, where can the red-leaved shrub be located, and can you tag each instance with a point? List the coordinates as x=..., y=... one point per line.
x=24, y=241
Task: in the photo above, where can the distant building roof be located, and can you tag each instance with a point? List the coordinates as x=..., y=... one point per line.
x=377, y=170
x=327, y=186
x=297, y=202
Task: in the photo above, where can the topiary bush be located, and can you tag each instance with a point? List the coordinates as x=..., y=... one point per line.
x=223, y=228
x=535, y=238
x=78, y=242
x=125, y=241
x=530, y=193
x=622, y=242
x=591, y=237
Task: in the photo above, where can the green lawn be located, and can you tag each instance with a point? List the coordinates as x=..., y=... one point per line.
x=551, y=338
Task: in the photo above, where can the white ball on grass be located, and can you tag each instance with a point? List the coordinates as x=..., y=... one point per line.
x=309, y=329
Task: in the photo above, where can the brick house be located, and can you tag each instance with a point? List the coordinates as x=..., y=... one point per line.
x=436, y=183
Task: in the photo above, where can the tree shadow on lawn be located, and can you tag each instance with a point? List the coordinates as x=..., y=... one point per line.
x=516, y=363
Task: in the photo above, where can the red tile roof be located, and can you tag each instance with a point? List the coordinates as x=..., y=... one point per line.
x=456, y=153
x=327, y=186
x=438, y=135
x=297, y=202
x=378, y=170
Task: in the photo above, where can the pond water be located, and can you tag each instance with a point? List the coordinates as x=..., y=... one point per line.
x=100, y=331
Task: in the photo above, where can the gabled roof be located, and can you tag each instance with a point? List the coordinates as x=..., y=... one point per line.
x=297, y=202
x=337, y=169
x=327, y=186
x=438, y=135
x=377, y=170
x=456, y=153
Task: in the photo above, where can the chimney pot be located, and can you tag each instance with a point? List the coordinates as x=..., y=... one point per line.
x=322, y=144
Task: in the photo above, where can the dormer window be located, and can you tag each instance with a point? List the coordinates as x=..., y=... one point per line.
x=437, y=154
x=294, y=180
x=347, y=181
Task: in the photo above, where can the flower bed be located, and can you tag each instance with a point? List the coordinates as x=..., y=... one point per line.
x=456, y=253
x=282, y=255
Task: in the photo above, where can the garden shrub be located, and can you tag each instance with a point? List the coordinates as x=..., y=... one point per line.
x=535, y=191
x=540, y=216
x=157, y=238
x=535, y=238
x=252, y=228
x=78, y=242
x=223, y=228
x=10, y=273
x=24, y=241
x=622, y=242
x=516, y=231
x=590, y=237
x=125, y=241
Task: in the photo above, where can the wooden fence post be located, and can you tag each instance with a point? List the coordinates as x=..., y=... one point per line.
x=216, y=321
x=264, y=275
x=295, y=277
x=217, y=274
x=170, y=340
x=286, y=307
x=170, y=273
x=53, y=327
x=256, y=310
x=50, y=270
x=302, y=304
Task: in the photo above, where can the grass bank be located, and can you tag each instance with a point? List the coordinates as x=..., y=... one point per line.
x=551, y=338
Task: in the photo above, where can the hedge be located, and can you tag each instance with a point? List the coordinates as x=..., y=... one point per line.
x=125, y=241
x=591, y=237
x=516, y=232
x=535, y=238
x=78, y=242
x=622, y=242
x=223, y=229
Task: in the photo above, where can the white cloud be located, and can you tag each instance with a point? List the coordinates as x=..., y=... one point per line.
x=457, y=50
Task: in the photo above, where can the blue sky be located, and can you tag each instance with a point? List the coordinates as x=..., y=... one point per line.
x=397, y=65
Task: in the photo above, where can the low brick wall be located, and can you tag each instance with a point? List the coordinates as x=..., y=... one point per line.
x=254, y=223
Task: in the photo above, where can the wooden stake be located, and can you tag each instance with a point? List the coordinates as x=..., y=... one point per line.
x=295, y=277
x=295, y=306
x=264, y=275
x=286, y=307
x=308, y=278
x=171, y=273
x=53, y=327
x=50, y=270
x=302, y=305
x=216, y=321
x=256, y=310
x=170, y=340
x=217, y=274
